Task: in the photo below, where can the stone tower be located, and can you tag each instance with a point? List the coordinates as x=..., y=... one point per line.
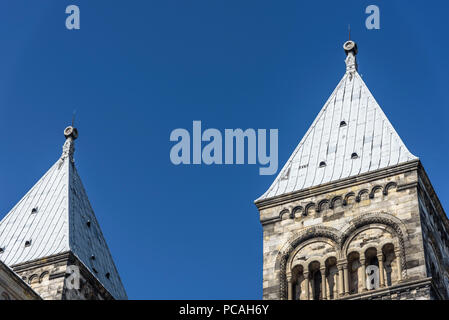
x=352, y=214
x=52, y=239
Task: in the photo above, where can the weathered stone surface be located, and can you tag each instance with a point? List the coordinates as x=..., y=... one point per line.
x=12, y=287
x=49, y=278
x=338, y=230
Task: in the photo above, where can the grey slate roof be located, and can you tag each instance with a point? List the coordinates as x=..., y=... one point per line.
x=58, y=224
x=367, y=132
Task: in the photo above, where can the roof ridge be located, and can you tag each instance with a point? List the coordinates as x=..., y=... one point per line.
x=88, y=210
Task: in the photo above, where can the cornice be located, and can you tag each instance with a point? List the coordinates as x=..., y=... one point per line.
x=336, y=185
x=61, y=257
x=401, y=287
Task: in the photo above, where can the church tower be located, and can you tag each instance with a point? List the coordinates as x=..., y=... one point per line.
x=52, y=239
x=352, y=214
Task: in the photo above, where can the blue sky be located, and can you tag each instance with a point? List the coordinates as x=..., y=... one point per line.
x=138, y=69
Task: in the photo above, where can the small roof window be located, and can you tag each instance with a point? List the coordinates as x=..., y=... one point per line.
x=322, y=164
x=343, y=124
x=2, y=250
x=27, y=243
x=34, y=210
x=108, y=275
x=354, y=156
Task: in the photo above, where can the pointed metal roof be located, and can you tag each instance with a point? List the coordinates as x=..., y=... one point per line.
x=55, y=216
x=350, y=136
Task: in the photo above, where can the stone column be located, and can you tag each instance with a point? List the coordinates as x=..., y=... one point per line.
x=381, y=270
x=328, y=288
x=399, y=265
x=290, y=289
x=346, y=278
x=363, y=266
x=336, y=286
x=340, y=281
x=306, y=286
x=323, y=283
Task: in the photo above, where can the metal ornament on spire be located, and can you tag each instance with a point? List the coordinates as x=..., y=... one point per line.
x=68, y=149
x=351, y=50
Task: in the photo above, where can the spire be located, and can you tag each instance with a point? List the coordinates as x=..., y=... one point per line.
x=351, y=50
x=56, y=217
x=350, y=136
x=68, y=149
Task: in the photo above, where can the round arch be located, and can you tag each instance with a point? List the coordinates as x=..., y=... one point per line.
x=380, y=218
x=296, y=240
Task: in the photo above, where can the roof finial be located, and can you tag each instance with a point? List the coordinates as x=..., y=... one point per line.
x=68, y=149
x=351, y=50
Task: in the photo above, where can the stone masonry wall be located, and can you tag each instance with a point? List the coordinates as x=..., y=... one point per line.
x=48, y=277
x=435, y=229
x=336, y=211
x=12, y=287
x=45, y=277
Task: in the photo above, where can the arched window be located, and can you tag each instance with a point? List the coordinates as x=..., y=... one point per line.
x=353, y=272
x=298, y=283
x=390, y=265
x=315, y=279
x=332, y=278
x=372, y=269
